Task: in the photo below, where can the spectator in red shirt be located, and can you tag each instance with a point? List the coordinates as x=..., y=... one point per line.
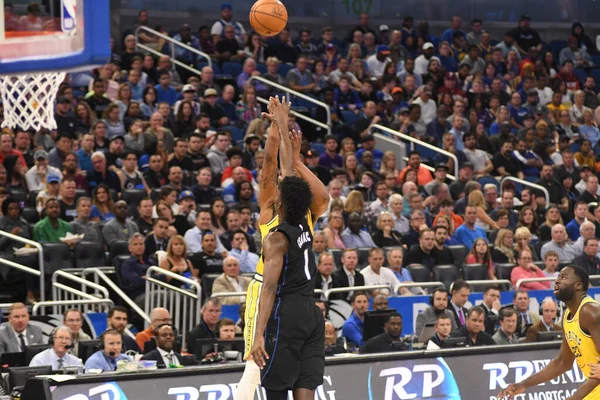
x=566, y=74
x=414, y=162
x=6, y=148
x=527, y=269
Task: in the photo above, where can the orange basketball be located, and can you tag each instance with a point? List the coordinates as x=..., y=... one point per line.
x=268, y=17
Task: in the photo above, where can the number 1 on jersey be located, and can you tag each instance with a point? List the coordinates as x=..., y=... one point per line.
x=306, y=271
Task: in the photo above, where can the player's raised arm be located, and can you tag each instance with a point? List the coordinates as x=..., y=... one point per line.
x=268, y=173
x=589, y=320
x=320, y=195
x=275, y=247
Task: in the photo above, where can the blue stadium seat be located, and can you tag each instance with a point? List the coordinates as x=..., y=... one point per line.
x=232, y=68
x=350, y=117
x=236, y=133
x=556, y=46
x=318, y=147
x=426, y=154
x=581, y=74
x=284, y=69
x=596, y=59
x=596, y=74
x=488, y=179
x=262, y=68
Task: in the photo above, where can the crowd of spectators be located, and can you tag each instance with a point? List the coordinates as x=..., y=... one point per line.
x=169, y=162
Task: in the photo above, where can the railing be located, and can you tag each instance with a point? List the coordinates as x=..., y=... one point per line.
x=62, y=292
x=172, y=43
x=40, y=250
x=490, y=282
x=184, y=305
x=528, y=280
x=355, y=289
x=411, y=139
x=99, y=274
x=527, y=183
x=417, y=285
x=63, y=305
x=289, y=92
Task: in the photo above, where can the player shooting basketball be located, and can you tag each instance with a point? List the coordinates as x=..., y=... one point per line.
x=581, y=341
x=268, y=219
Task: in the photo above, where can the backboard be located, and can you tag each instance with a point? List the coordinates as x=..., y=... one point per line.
x=56, y=35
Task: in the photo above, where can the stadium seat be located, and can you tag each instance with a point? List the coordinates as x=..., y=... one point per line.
x=488, y=179
x=556, y=46
x=284, y=69
x=57, y=256
x=581, y=74
x=596, y=74
x=236, y=133
x=503, y=270
x=349, y=117
x=445, y=274
x=363, y=257
x=232, y=68
x=89, y=254
x=419, y=273
x=117, y=263
x=80, y=193
x=30, y=215
x=475, y=272
x=262, y=68
x=33, y=197
x=133, y=198
x=318, y=147
x=207, y=284
x=459, y=252
x=117, y=248
x=19, y=195
x=337, y=257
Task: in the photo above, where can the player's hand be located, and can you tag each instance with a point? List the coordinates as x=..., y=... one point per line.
x=258, y=352
x=272, y=108
x=296, y=138
x=511, y=391
x=595, y=370
x=282, y=111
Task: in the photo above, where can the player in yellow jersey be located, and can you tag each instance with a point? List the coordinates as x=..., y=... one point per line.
x=581, y=341
x=278, y=140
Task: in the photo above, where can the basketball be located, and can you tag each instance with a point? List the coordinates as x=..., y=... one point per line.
x=268, y=17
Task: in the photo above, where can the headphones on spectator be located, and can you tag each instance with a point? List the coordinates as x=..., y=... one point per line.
x=52, y=337
x=109, y=332
x=558, y=309
x=443, y=290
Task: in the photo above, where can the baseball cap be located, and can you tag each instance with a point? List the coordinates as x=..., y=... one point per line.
x=383, y=49
x=40, y=154
x=62, y=99
x=397, y=89
x=467, y=165
x=330, y=46
x=532, y=92
x=225, y=6
x=540, y=110
x=188, y=88
x=186, y=194
x=450, y=76
x=118, y=137
x=442, y=166
x=403, y=110
x=312, y=153
x=52, y=178
x=383, y=28
x=428, y=45
x=585, y=166
x=210, y=92
x=525, y=17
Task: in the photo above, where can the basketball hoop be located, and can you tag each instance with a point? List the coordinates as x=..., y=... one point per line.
x=28, y=99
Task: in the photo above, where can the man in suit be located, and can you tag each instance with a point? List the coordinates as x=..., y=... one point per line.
x=459, y=296
x=439, y=306
x=525, y=318
x=347, y=275
x=473, y=331
x=164, y=355
x=491, y=305
x=19, y=333
x=326, y=279
x=158, y=238
x=231, y=281
x=546, y=324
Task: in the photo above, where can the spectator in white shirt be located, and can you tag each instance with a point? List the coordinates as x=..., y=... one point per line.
x=377, y=62
x=193, y=237
x=376, y=274
x=36, y=176
x=428, y=106
x=57, y=356
x=422, y=62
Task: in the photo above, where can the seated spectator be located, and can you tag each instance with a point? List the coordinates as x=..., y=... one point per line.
x=158, y=316
x=207, y=328
x=353, y=236
x=12, y=222
x=176, y=260
x=326, y=279
x=589, y=259
x=580, y=213
x=507, y=204
x=468, y=232
x=51, y=228
x=330, y=158
x=491, y=305
x=353, y=327
x=52, y=190
x=437, y=309
x=57, y=355
x=133, y=270
x=18, y=332
x=553, y=217
x=526, y=269
x=347, y=276
x=508, y=326
x=443, y=329
x=423, y=253
x=547, y=323
x=144, y=220
x=120, y=228
x=193, y=237
x=332, y=344
x=203, y=191
x=504, y=247
x=164, y=355
x=36, y=175
x=473, y=329
x=559, y=244
x=107, y=358
x=66, y=199
x=376, y=274
x=154, y=177
x=386, y=235
x=158, y=133
x=396, y=206
x=389, y=340
x=235, y=157
x=240, y=250
x=414, y=162
x=248, y=108
x=208, y=260
x=416, y=223
x=522, y=240
x=73, y=319
x=551, y=263
x=525, y=317
x=231, y=281
x=102, y=175
x=443, y=254
x=234, y=223
x=480, y=254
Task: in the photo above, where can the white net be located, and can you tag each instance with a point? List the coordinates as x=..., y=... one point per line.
x=28, y=99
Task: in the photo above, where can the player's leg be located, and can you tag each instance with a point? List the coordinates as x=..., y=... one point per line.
x=250, y=380
x=304, y=394
x=251, y=376
x=279, y=395
x=312, y=366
